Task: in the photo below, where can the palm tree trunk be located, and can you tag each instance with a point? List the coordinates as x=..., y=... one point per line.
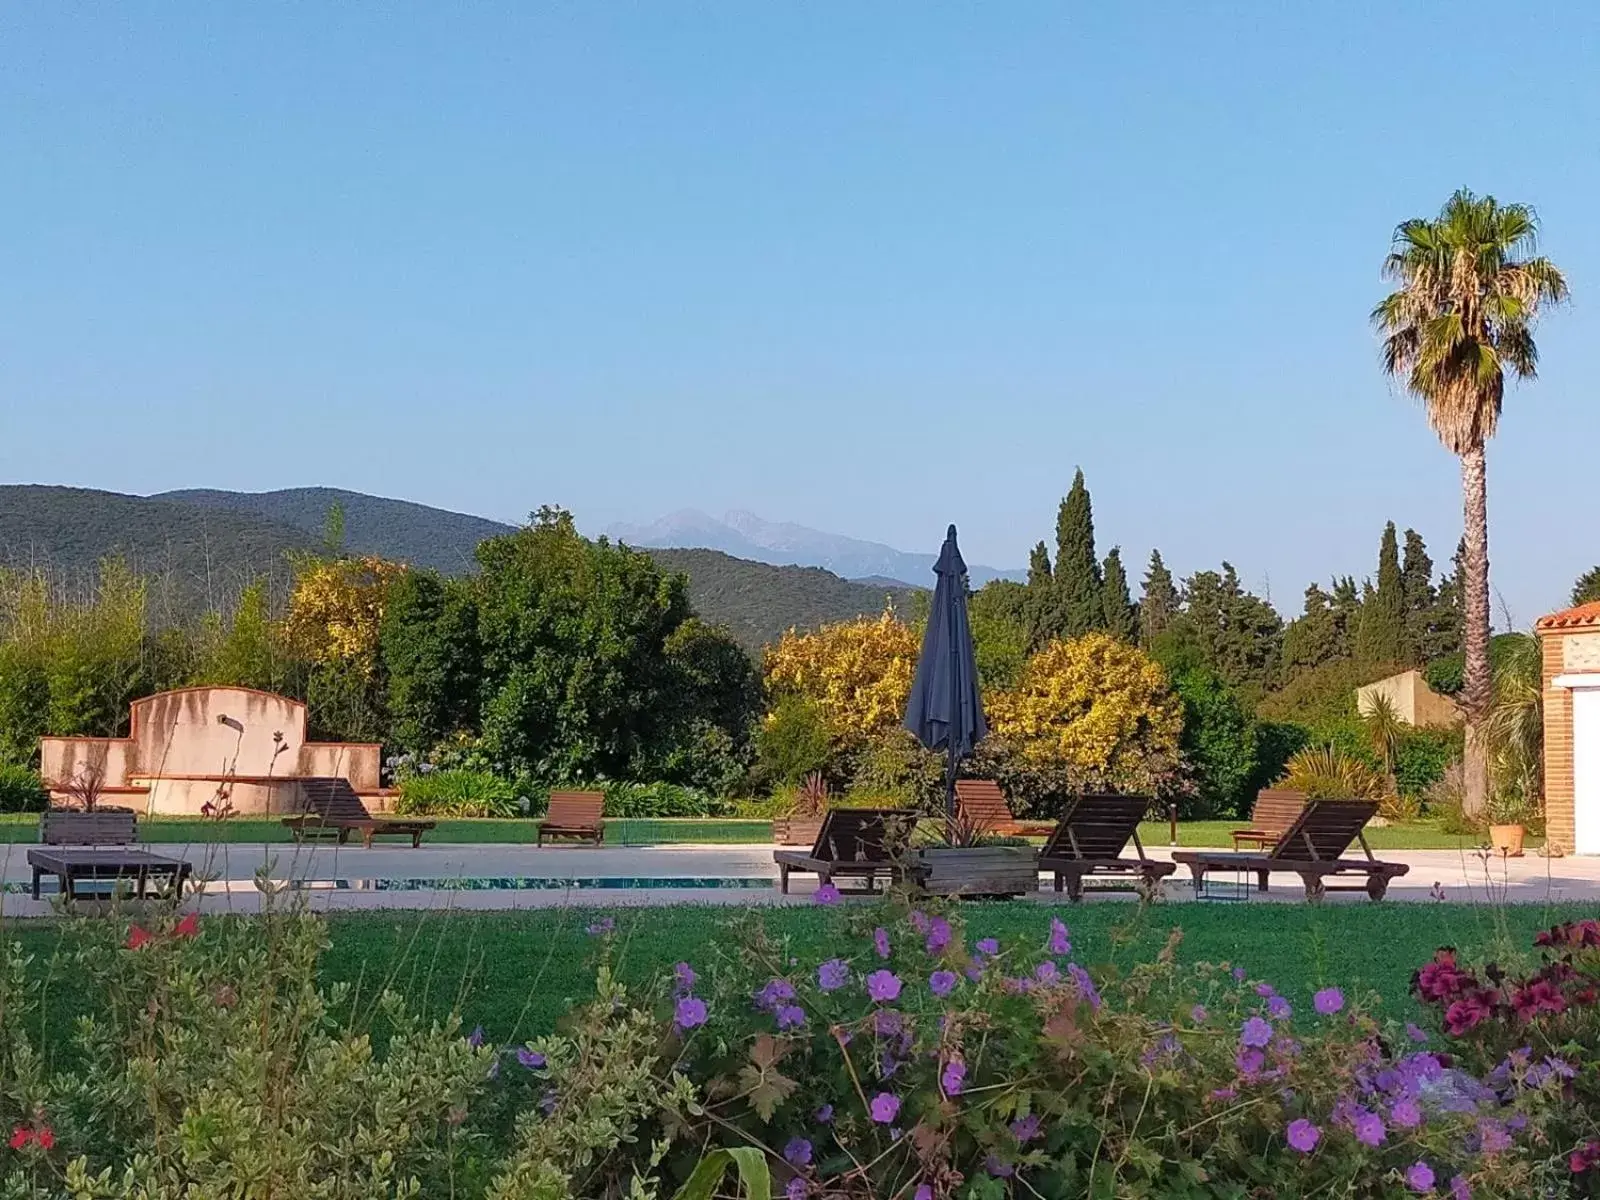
x=1476, y=683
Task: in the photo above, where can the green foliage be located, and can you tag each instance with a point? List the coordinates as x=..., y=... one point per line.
x=704, y=737
x=1079, y=608
x=1328, y=773
x=659, y=800
x=1445, y=674
x=1422, y=757
x=21, y=789
x=428, y=640
x=999, y=615
x=455, y=793
x=898, y=768
x=1121, y=616
x=1235, y=634
x=1586, y=590
x=1381, y=631
x=1159, y=603
x=1323, y=696
x=793, y=741
x=1218, y=744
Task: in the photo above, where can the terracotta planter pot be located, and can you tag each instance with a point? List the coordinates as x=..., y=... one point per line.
x=1506, y=839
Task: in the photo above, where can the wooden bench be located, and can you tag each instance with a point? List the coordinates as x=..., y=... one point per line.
x=575, y=815
x=1275, y=810
x=100, y=827
x=1090, y=838
x=982, y=805
x=860, y=842
x=1312, y=848
x=334, y=810
x=73, y=866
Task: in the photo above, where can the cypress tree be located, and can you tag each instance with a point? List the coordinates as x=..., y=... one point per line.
x=1121, y=617
x=1077, y=578
x=1587, y=588
x=1159, y=603
x=1382, y=632
x=1040, y=603
x=1416, y=577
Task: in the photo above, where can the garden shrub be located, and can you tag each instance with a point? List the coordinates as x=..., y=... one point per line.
x=21, y=789
x=793, y=741
x=1422, y=757
x=456, y=792
x=660, y=800
x=1219, y=744
x=898, y=769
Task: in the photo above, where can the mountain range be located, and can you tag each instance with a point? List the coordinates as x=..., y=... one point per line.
x=199, y=547
x=745, y=535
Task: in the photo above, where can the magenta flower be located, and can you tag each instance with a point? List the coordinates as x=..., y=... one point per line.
x=790, y=1016
x=885, y=1108
x=1255, y=1033
x=825, y=895
x=1250, y=1062
x=690, y=1013
x=1420, y=1177
x=1494, y=1137
x=1328, y=1001
x=942, y=983
x=938, y=934
x=1368, y=1127
x=953, y=1077
x=923, y=1192
x=1405, y=1114
x=1416, y=1033
x=1460, y=1189
x=1278, y=1008
x=883, y=986
x=832, y=975
x=1303, y=1135
x=880, y=941
x=1060, y=941
x=798, y=1152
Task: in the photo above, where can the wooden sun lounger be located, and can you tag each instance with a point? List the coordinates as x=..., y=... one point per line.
x=1312, y=848
x=113, y=827
x=73, y=866
x=575, y=815
x=982, y=804
x=334, y=810
x=1275, y=810
x=852, y=841
x=1089, y=840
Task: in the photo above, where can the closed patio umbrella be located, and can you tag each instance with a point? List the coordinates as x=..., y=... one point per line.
x=945, y=711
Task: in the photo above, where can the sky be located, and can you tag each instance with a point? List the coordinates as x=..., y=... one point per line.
x=872, y=268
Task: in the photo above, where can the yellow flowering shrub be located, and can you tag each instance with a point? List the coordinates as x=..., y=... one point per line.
x=1094, y=706
x=336, y=608
x=857, y=673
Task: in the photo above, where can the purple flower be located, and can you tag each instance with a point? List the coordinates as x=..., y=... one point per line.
x=1085, y=985
x=886, y=1022
x=774, y=993
x=798, y=1152
x=1198, y=1014
x=1264, y=990
x=1420, y=1177
x=825, y=895
x=548, y=1101
x=531, y=1059
x=1303, y=1135
x=880, y=941
x=953, y=1077
x=1494, y=1137
x=989, y=946
x=832, y=975
x=689, y=1013
x=1047, y=973
x=790, y=1016
x=1460, y=1189
x=938, y=935
x=919, y=920
x=1328, y=1001
x=684, y=975
x=1250, y=1062
x=1368, y=1127
x=1025, y=1129
x=885, y=1107
x=923, y=1192
x=1238, y=974
x=1255, y=1033
x=942, y=983
x=796, y=1188
x=1060, y=942
x=1278, y=1008
x=1415, y=1033
x=603, y=925
x=1405, y=1114
x=883, y=986
x=824, y=1115
x=475, y=1038
x=995, y=1166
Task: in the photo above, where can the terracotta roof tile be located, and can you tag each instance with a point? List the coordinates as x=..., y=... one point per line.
x=1572, y=618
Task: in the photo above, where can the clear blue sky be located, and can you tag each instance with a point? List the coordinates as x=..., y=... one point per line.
x=796, y=258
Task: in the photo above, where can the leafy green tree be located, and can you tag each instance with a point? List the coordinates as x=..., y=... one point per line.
x=1421, y=597
x=702, y=738
x=1239, y=635
x=1587, y=589
x=1381, y=635
x=1313, y=637
x=428, y=641
x=1121, y=616
x=247, y=650
x=1001, y=638
x=1470, y=289
x=1160, y=602
x=1080, y=609
x=793, y=741
x=1218, y=744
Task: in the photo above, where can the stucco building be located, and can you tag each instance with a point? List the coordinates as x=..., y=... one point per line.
x=1413, y=701
x=1570, y=643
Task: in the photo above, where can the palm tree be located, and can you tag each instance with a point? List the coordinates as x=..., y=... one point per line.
x=1470, y=290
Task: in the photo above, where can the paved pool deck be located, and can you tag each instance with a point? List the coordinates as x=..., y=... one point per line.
x=500, y=876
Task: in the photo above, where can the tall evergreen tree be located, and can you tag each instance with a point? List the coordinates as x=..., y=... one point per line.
x=1040, y=605
x=1416, y=577
x=1077, y=569
x=1121, y=617
x=1382, y=632
x=1587, y=589
x=1313, y=637
x=1346, y=606
x=1159, y=603
x=1239, y=635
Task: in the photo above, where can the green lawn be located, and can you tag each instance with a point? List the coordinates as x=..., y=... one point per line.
x=22, y=827
x=516, y=973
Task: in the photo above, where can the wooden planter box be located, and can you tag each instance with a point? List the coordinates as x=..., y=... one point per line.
x=796, y=831
x=977, y=870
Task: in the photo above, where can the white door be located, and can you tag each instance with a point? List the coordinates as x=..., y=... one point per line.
x=1586, y=764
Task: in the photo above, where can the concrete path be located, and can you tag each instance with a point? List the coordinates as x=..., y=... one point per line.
x=502, y=876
